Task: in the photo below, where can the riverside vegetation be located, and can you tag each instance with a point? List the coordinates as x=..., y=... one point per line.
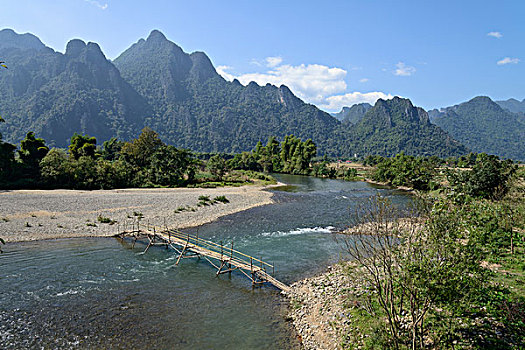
x=144, y=162
x=449, y=273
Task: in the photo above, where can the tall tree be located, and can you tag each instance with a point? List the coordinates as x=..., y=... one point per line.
x=139, y=151
x=7, y=158
x=111, y=149
x=82, y=146
x=32, y=151
x=217, y=166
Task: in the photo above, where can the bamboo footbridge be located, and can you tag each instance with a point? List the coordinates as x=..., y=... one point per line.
x=225, y=259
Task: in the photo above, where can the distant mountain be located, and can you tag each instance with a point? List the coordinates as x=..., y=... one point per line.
x=155, y=83
x=197, y=109
x=58, y=94
x=484, y=126
x=513, y=105
x=394, y=126
x=10, y=39
x=352, y=114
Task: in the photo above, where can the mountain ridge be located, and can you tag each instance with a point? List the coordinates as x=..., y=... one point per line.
x=484, y=126
x=352, y=114
x=395, y=125
x=513, y=105
x=155, y=83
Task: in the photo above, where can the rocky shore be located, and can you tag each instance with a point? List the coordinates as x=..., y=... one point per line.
x=27, y=215
x=317, y=308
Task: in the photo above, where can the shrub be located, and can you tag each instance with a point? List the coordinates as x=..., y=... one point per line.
x=489, y=177
x=221, y=199
x=105, y=220
x=203, y=198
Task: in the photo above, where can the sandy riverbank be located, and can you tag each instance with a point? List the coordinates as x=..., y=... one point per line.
x=27, y=215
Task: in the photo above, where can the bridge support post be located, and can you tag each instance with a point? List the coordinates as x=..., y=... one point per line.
x=231, y=257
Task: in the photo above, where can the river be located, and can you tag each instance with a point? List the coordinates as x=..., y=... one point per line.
x=100, y=293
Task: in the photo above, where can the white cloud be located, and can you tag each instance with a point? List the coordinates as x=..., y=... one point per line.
x=256, y=62
x=496, y=35
x=507, y=60
x=364, y=80
x=404, y=70
x=97, y=4
x=335, y=103
x=222, y=70
x=273, y=61
x=314, y=83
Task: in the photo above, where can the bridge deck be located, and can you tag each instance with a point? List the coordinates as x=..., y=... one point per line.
x=227, y=258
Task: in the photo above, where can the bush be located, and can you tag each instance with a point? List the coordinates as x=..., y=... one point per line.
x=489, y=177
x=403, y=170
x=105, y=220
x=221, y=199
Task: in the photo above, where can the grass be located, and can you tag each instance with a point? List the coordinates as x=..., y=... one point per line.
x=296, y=304
x=91, y=224
x=184, y=208
x=204, y=201
x=221, y=199
x=512, y=271
x=105, y=220
x=138, y=215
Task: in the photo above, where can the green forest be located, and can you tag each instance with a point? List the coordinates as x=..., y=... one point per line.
x=143, y=162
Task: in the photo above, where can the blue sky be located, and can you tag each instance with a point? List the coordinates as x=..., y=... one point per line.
x=330, y=53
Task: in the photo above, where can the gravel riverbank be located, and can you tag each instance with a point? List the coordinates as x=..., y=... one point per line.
x=27, y=215
x=317, y=308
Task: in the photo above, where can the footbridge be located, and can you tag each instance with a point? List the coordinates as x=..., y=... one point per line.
x=223, y=258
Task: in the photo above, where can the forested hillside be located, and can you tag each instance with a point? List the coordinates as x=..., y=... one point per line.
x=394, y=126
x=483, y=126
x=353, y=114
x=197, y=109
x=56, y=94
x=156, y=84
x=513, y=105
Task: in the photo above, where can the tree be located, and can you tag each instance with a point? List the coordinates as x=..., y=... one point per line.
x=139, y=151
x=489, y=177
x=274, y=149
x=296, y=155
x=7, y=158
x=217, y=166
x=412, y=269
x=111, y=149
x=32, y=151
x=169, y=165
x=82, y=146
x=404, y=170
x=54, y=168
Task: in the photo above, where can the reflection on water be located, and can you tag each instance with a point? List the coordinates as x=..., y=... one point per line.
x=100, y=293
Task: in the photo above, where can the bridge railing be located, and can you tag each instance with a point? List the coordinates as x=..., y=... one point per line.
x=226, y=251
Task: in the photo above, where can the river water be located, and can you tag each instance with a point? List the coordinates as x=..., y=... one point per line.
x=100, y=293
